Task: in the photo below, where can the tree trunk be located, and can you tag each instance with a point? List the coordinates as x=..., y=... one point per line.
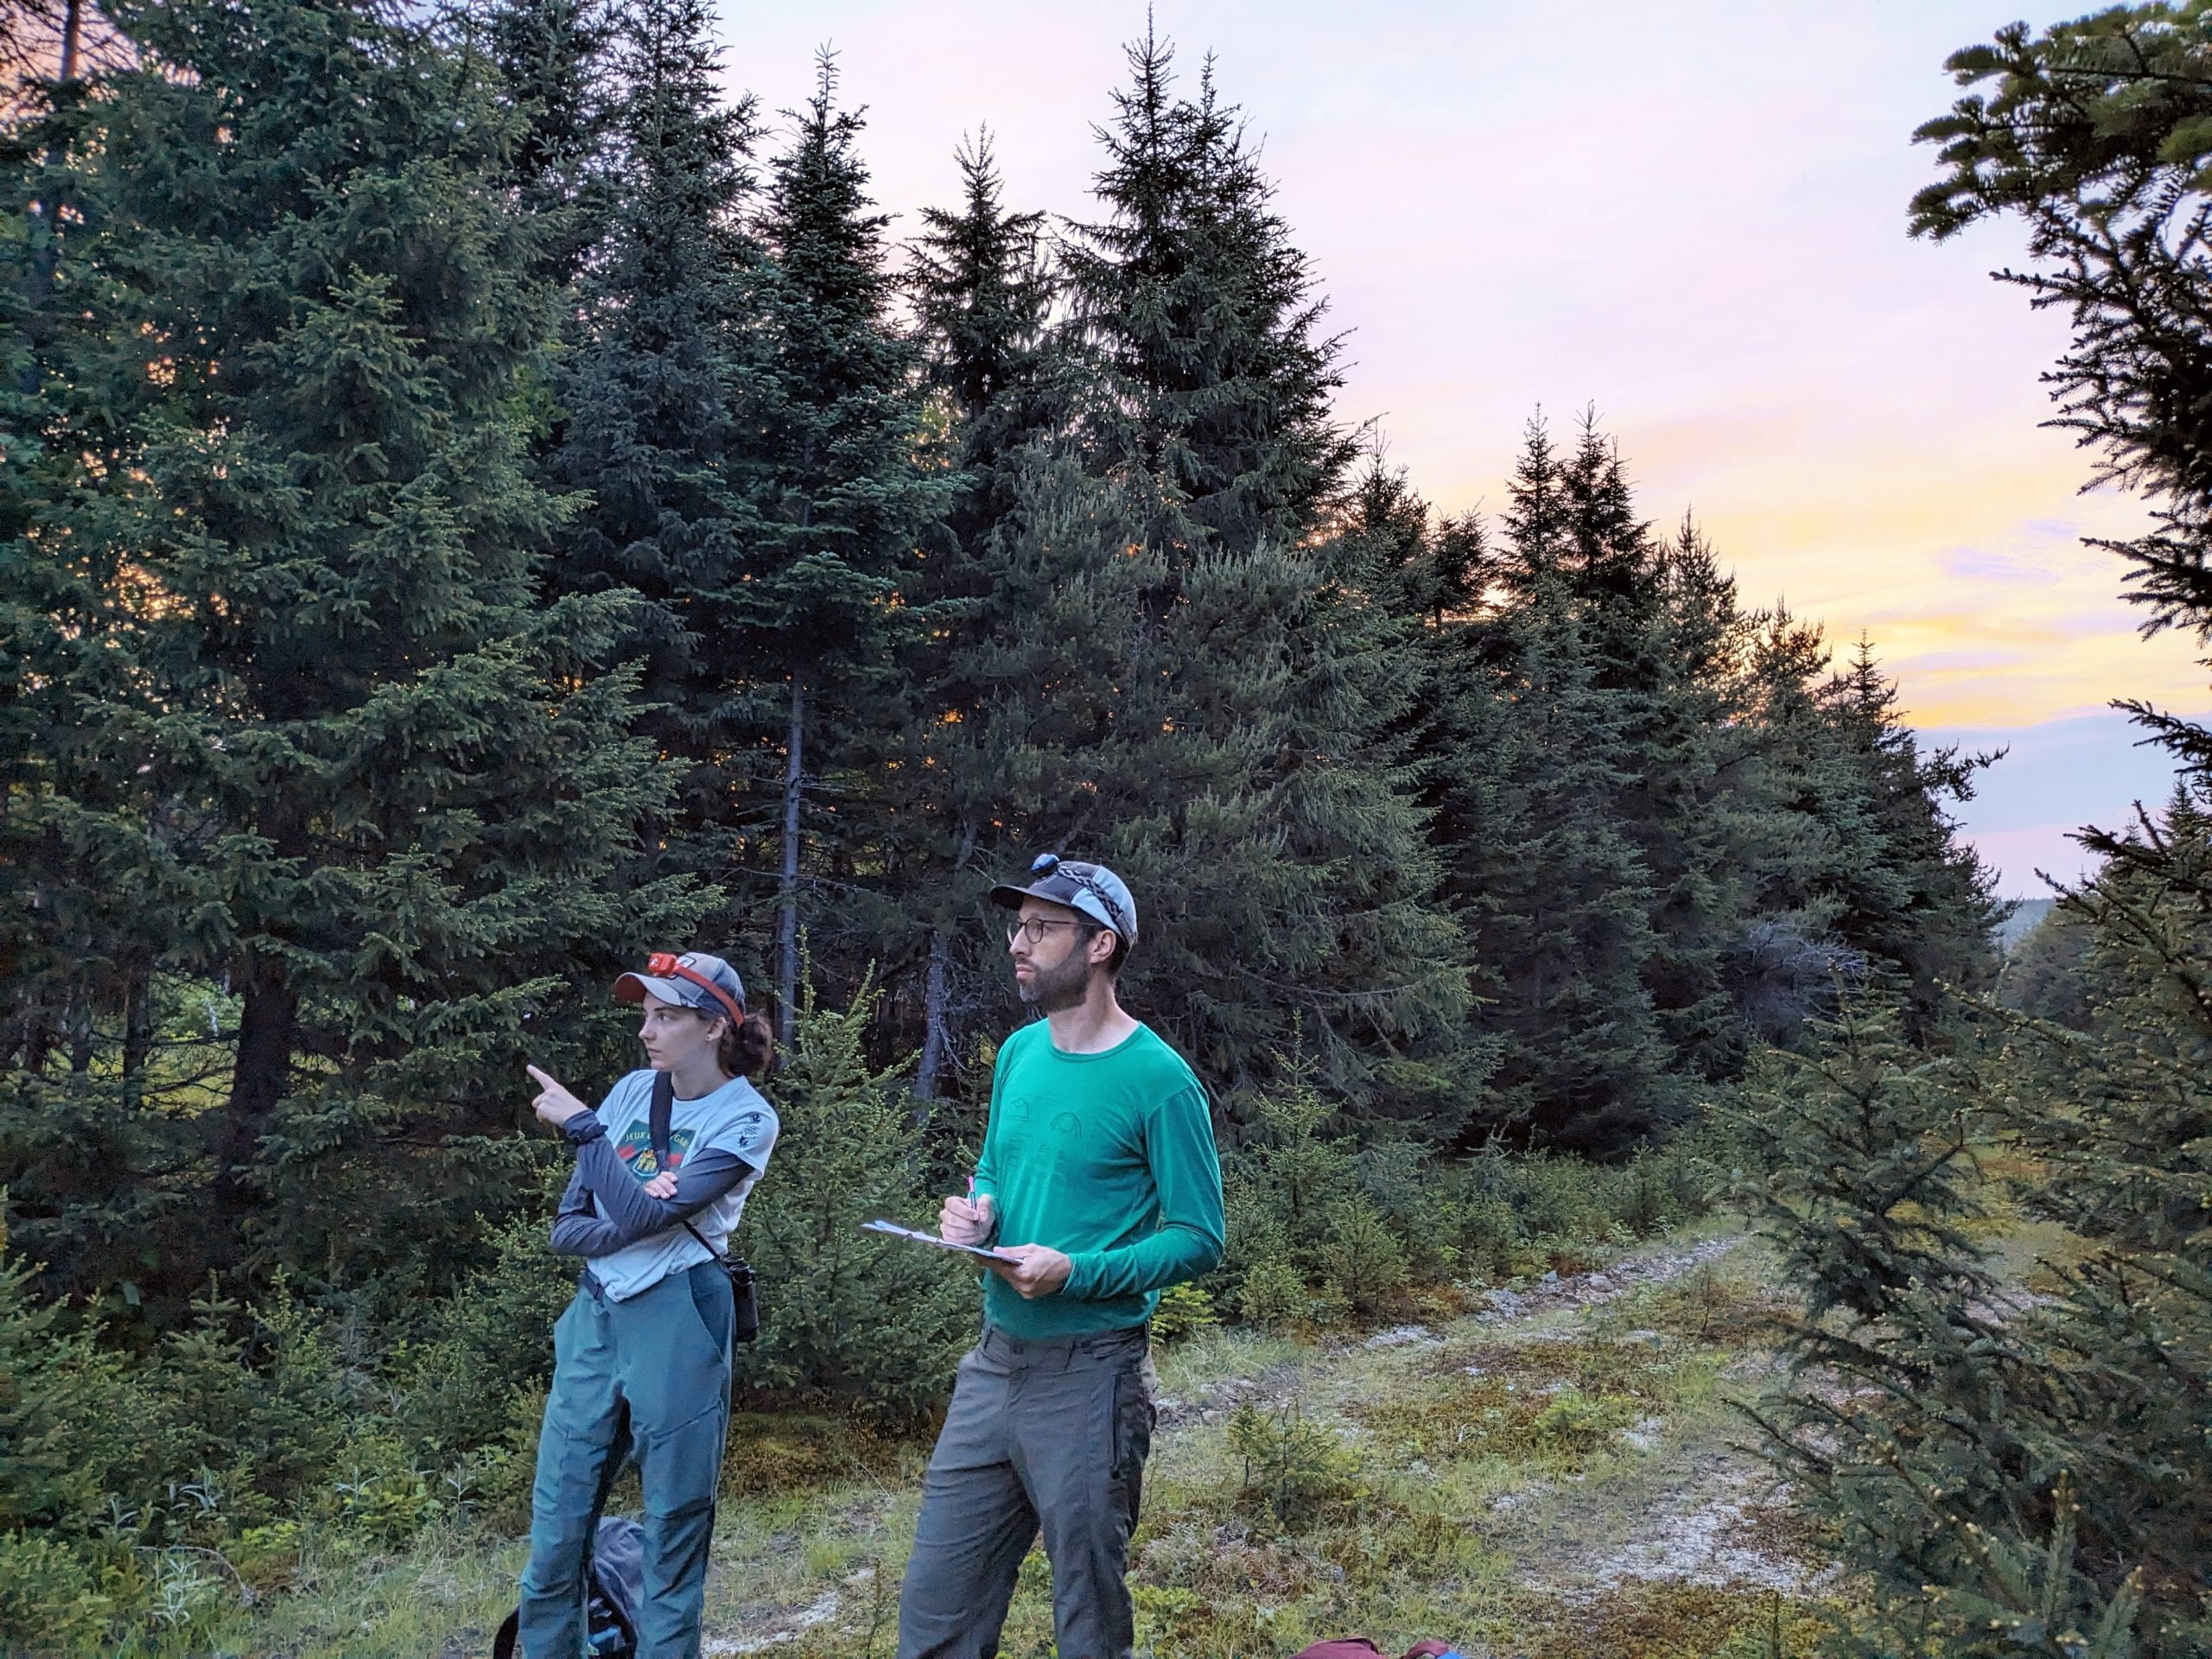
x=935, y=1040
x=80, y=1031
x=787, y=892
x=936, y=996
x=138, y=1036
x=260, y=1079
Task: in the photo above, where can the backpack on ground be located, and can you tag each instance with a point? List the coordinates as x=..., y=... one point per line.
x=611, y=1591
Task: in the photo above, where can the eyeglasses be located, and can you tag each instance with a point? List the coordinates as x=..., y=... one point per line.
x=1033, y=928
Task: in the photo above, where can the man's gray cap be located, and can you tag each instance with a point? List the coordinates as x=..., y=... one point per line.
x=1093, y=889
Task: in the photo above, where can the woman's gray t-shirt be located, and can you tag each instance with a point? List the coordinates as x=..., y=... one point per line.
x=718, y=1145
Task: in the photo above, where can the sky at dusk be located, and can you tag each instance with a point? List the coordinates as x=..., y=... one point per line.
x=1689, y=216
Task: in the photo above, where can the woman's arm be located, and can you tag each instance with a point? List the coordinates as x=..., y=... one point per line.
x=614, y=1209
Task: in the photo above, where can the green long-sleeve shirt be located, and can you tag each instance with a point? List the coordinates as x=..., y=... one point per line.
x=1109, y=1159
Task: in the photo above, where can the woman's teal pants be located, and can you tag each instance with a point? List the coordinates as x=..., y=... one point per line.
x=648, y=1377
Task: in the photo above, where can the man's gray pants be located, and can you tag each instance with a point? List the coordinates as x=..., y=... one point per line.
x=1051, y=1434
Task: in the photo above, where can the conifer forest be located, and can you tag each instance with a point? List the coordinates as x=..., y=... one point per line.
x=481, y=502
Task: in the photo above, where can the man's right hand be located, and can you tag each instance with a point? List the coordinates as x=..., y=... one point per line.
x=961, y=1223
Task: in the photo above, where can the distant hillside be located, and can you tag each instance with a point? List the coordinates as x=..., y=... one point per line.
x=2027, y=915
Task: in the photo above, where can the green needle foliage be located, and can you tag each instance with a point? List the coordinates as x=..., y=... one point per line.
x=650, y=417
x=339, y=753
x=841, y=487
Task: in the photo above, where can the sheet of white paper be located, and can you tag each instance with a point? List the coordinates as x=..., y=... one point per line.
x=894, y=1230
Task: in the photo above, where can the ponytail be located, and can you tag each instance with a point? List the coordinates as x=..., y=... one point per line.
x=748, y=1049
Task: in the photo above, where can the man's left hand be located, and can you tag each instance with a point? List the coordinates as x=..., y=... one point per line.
x=1035, y=1270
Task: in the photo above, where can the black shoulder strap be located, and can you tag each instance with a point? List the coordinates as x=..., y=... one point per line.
x=663, y=1107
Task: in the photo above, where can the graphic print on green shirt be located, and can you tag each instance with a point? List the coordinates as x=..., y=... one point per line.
x=1109, y=1159
x=635, y=1148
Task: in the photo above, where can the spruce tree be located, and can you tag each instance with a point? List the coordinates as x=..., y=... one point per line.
x=1252, y=776
x=982, y=292
x=1210, y=377
x=843, y=490
x=1899, y=886
x=381, y=788
x=651, y=398
x=1557, y=893
x=2013, y=1474
x=553, y=57
x=1660, y=623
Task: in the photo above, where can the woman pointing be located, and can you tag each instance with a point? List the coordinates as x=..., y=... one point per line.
x=642, y=1356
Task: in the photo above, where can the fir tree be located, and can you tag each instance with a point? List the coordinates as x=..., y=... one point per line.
x=1557, y=893
x=1901, y=888
x=823, y=1278
x=382, y=789
x=842, y=493
x=553, y=59
x=982, y=294
x=651, y=430
x=1253, y=767
x=1212, y=378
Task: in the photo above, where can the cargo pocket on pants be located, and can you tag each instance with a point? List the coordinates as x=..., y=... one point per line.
x=680, y=1468
x=1134, y=1419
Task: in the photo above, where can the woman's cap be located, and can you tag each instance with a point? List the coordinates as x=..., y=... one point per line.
x=1093, y=889
x=694, y=980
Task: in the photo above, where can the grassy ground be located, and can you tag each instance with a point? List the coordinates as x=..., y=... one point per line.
x=1550, y=1471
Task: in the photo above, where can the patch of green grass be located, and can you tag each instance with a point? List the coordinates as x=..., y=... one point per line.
x=1547, y=1406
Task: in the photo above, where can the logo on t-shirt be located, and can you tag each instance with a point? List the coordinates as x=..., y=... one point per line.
x=635, y=1148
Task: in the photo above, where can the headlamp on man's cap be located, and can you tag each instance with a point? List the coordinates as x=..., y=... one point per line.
x=692, y=979
x=1090, y=890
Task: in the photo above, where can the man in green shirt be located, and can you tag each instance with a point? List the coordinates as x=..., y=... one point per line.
x=1100, y=1186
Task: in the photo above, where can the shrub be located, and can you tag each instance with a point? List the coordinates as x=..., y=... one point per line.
x=51, y=1598
x=1184, y=1311
x=1360, y=1258
x=489, y=1349
x=1275, y=1295
x=848, y=1319
x=1294, y=1470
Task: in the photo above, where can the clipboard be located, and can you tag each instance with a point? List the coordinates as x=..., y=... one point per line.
x=893, y=1229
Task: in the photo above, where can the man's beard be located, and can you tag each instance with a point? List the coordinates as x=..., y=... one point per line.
x=1055, y=991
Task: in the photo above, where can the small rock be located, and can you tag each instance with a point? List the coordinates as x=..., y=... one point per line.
x=1398, y=1336
x=1648, y=1338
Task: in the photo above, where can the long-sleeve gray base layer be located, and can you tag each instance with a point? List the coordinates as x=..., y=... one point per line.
x=1052, y=1434
x=649, y=1375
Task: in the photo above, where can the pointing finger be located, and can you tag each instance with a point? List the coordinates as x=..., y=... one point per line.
x=541, y=1077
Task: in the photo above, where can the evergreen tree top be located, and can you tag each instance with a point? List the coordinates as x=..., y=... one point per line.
x=829, y=247
x=1201, y=321
x=982, y=291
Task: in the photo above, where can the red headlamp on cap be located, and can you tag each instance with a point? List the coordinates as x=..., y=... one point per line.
x=665, y=965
